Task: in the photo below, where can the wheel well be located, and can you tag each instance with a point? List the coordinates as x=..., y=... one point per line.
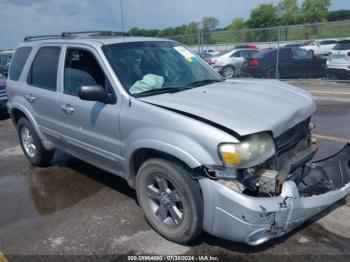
x=143, y=154
x=17, y=114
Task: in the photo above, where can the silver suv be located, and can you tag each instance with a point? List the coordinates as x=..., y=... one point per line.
x=228, y=157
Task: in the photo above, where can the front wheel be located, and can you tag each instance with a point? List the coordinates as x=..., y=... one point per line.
x=170, y=199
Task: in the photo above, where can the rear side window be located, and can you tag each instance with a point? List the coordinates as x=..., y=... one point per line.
x=18, y=61
x=43, y=72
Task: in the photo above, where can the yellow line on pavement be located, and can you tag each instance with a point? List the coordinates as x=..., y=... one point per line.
x=329, y=93
x=3, y=258
x=332, y=138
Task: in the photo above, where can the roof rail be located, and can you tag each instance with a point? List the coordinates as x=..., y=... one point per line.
x=30, y=38
x=73, y=34
x=96, y=33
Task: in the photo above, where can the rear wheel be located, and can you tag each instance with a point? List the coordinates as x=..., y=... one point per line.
x=228, y=72
x=271, y=73
x=31, y=144
x=170, y=199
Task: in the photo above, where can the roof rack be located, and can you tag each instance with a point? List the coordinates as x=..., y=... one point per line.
x=73, y=34
x=30, y=38
x=95, y=33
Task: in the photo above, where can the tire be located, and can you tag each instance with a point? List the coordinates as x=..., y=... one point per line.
x=176, y=214
x=271, y=73
x=228, y=72
x=31, y=145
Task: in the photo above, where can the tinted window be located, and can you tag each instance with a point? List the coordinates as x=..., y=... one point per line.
x=43, y=72
x=251, y=53
x=81, y=68
x=285, y=54
x=265, y=53
x=327, y=42
x=342, y=45
x=302, y=54
x=237, y=54
x=18, y=61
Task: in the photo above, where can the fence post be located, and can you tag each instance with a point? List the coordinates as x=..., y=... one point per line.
x=199, y=40
x=278, y=52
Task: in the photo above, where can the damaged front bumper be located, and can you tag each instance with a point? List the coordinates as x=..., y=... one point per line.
x=254, y=220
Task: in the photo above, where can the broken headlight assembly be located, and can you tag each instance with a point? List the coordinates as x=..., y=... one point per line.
x=251, y=151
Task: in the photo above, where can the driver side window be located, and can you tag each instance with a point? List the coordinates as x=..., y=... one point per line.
x=81, y=68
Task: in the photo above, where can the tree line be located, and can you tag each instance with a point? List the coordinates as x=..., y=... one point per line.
x=286, y=12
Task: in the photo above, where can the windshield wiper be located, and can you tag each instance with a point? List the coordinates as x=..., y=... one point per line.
x=204, y=82
x=162, y=90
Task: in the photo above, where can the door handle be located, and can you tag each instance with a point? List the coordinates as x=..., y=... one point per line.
x=30, y=98
x=68, y=109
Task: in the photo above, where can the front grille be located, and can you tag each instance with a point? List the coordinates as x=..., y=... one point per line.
x=288, y=144
x=292, y=136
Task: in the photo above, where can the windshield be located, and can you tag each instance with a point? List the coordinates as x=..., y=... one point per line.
x=153, y=67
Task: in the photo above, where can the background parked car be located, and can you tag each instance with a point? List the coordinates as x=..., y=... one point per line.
x=294, y=45
x=211, y=52
x=293, y=63
x=338, y=63
x=251, y=46
x=205, y=56
x=229, y=63
x=3, y=96
x=320, y=47
x=5, y=59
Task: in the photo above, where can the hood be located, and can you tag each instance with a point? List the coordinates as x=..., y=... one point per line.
x=243, y=106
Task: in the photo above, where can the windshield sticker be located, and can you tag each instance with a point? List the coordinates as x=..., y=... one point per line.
x=186, y=54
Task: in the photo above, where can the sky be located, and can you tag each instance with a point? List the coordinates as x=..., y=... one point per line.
x=19, y=18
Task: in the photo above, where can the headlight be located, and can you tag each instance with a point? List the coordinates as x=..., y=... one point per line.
x=253, y=150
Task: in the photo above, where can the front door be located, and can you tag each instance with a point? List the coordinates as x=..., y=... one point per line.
x=90, y=130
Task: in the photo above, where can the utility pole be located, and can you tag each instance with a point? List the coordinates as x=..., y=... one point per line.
x=122, y=17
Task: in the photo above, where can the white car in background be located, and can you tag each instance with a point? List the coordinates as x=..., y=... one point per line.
x=211, y=52
x=320, y=47
x=229, y=63
x=338, y=63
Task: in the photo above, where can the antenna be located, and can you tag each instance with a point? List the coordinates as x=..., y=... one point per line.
x=122, y=16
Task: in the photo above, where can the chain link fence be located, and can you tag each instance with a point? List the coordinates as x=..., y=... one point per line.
x=309, y=51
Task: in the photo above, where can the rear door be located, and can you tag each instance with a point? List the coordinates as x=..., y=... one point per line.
x=40, y=91
x=286, y=64
x=89, y=129
x=308, y=65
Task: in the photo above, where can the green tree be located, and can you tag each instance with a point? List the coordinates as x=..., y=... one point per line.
x=237, y=24
x=314, y=11
x=192, y=28
x=209, y=23
x=288, y=12
x=264, y=15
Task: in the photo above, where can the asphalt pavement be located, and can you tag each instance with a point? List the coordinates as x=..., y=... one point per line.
x=73, y=208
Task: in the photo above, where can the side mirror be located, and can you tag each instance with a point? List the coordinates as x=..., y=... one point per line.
x=95, y=93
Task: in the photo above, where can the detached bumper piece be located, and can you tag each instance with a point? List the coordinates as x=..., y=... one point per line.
x=254, y=220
